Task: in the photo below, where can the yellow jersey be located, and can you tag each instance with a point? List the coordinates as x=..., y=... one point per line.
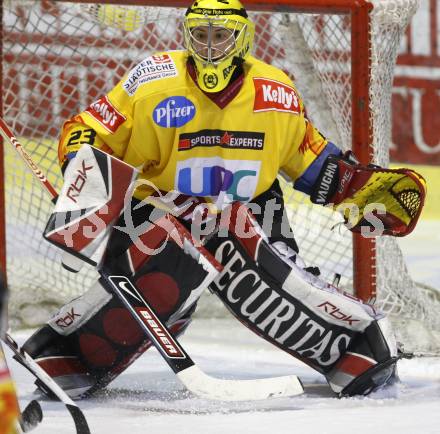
x=158, y=120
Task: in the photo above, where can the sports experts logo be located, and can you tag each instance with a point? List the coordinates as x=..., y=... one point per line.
x=225, y=139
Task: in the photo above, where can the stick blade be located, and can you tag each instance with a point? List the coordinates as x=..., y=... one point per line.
x=78, y=417
x=197, y=382
x=31, y=416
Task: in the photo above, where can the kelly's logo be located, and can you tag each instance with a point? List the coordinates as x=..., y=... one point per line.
x=106, y=114
x=271, y=95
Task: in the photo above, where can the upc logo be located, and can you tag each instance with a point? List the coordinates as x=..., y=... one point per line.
x=174, y=112
x=227, y=180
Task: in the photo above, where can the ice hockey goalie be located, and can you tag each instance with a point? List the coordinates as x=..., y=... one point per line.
x=208, y=129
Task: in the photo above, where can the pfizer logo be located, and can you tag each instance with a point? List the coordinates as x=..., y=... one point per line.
x=174, y=112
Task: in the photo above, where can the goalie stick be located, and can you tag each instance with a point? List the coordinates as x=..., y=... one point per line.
x=419, y=354
x=32, y=415
x=193, y=378
x=43, y=378
x=183, y=366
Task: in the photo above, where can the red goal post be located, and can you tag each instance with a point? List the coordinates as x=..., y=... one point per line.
x=59, y=56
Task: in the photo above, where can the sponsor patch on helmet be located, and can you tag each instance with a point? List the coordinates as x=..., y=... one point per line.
x=174, y=112
x=106, y=114
x=272, y=95
x=218, y=12
x=150, y=69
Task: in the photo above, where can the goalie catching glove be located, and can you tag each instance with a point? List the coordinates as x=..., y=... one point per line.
x=387, y=200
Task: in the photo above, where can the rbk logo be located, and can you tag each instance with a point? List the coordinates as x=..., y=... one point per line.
x=336, y=313
x=67, y=319
x=78, y=184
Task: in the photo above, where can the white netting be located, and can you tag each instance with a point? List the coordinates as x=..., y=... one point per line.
x=398, y=292
x=60, y=56
x=326, y=40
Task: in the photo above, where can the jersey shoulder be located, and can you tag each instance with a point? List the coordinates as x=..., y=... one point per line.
x=159, y=71
x=259, y=69
x=274, y=90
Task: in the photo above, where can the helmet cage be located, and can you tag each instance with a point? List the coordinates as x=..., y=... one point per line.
x=217, y=54
x=211, y=52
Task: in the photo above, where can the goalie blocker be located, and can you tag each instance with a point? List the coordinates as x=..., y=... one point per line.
x=93, y=339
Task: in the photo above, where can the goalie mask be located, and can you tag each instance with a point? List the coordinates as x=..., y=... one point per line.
x=218, y=36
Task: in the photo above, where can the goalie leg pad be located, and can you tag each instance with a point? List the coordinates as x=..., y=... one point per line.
x=369, y=363
x=96, y=350
x=90, y=341
x=274, y=314
x=294, y=309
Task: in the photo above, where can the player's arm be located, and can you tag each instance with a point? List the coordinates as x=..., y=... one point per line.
x=317, y=150
x=75, y=134
x=105, y=124
x=382, y=201
x=305, y=152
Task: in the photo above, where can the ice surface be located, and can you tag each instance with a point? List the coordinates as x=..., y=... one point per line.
x=148, y=398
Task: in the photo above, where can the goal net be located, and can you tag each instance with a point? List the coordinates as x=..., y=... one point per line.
x=60, y=56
